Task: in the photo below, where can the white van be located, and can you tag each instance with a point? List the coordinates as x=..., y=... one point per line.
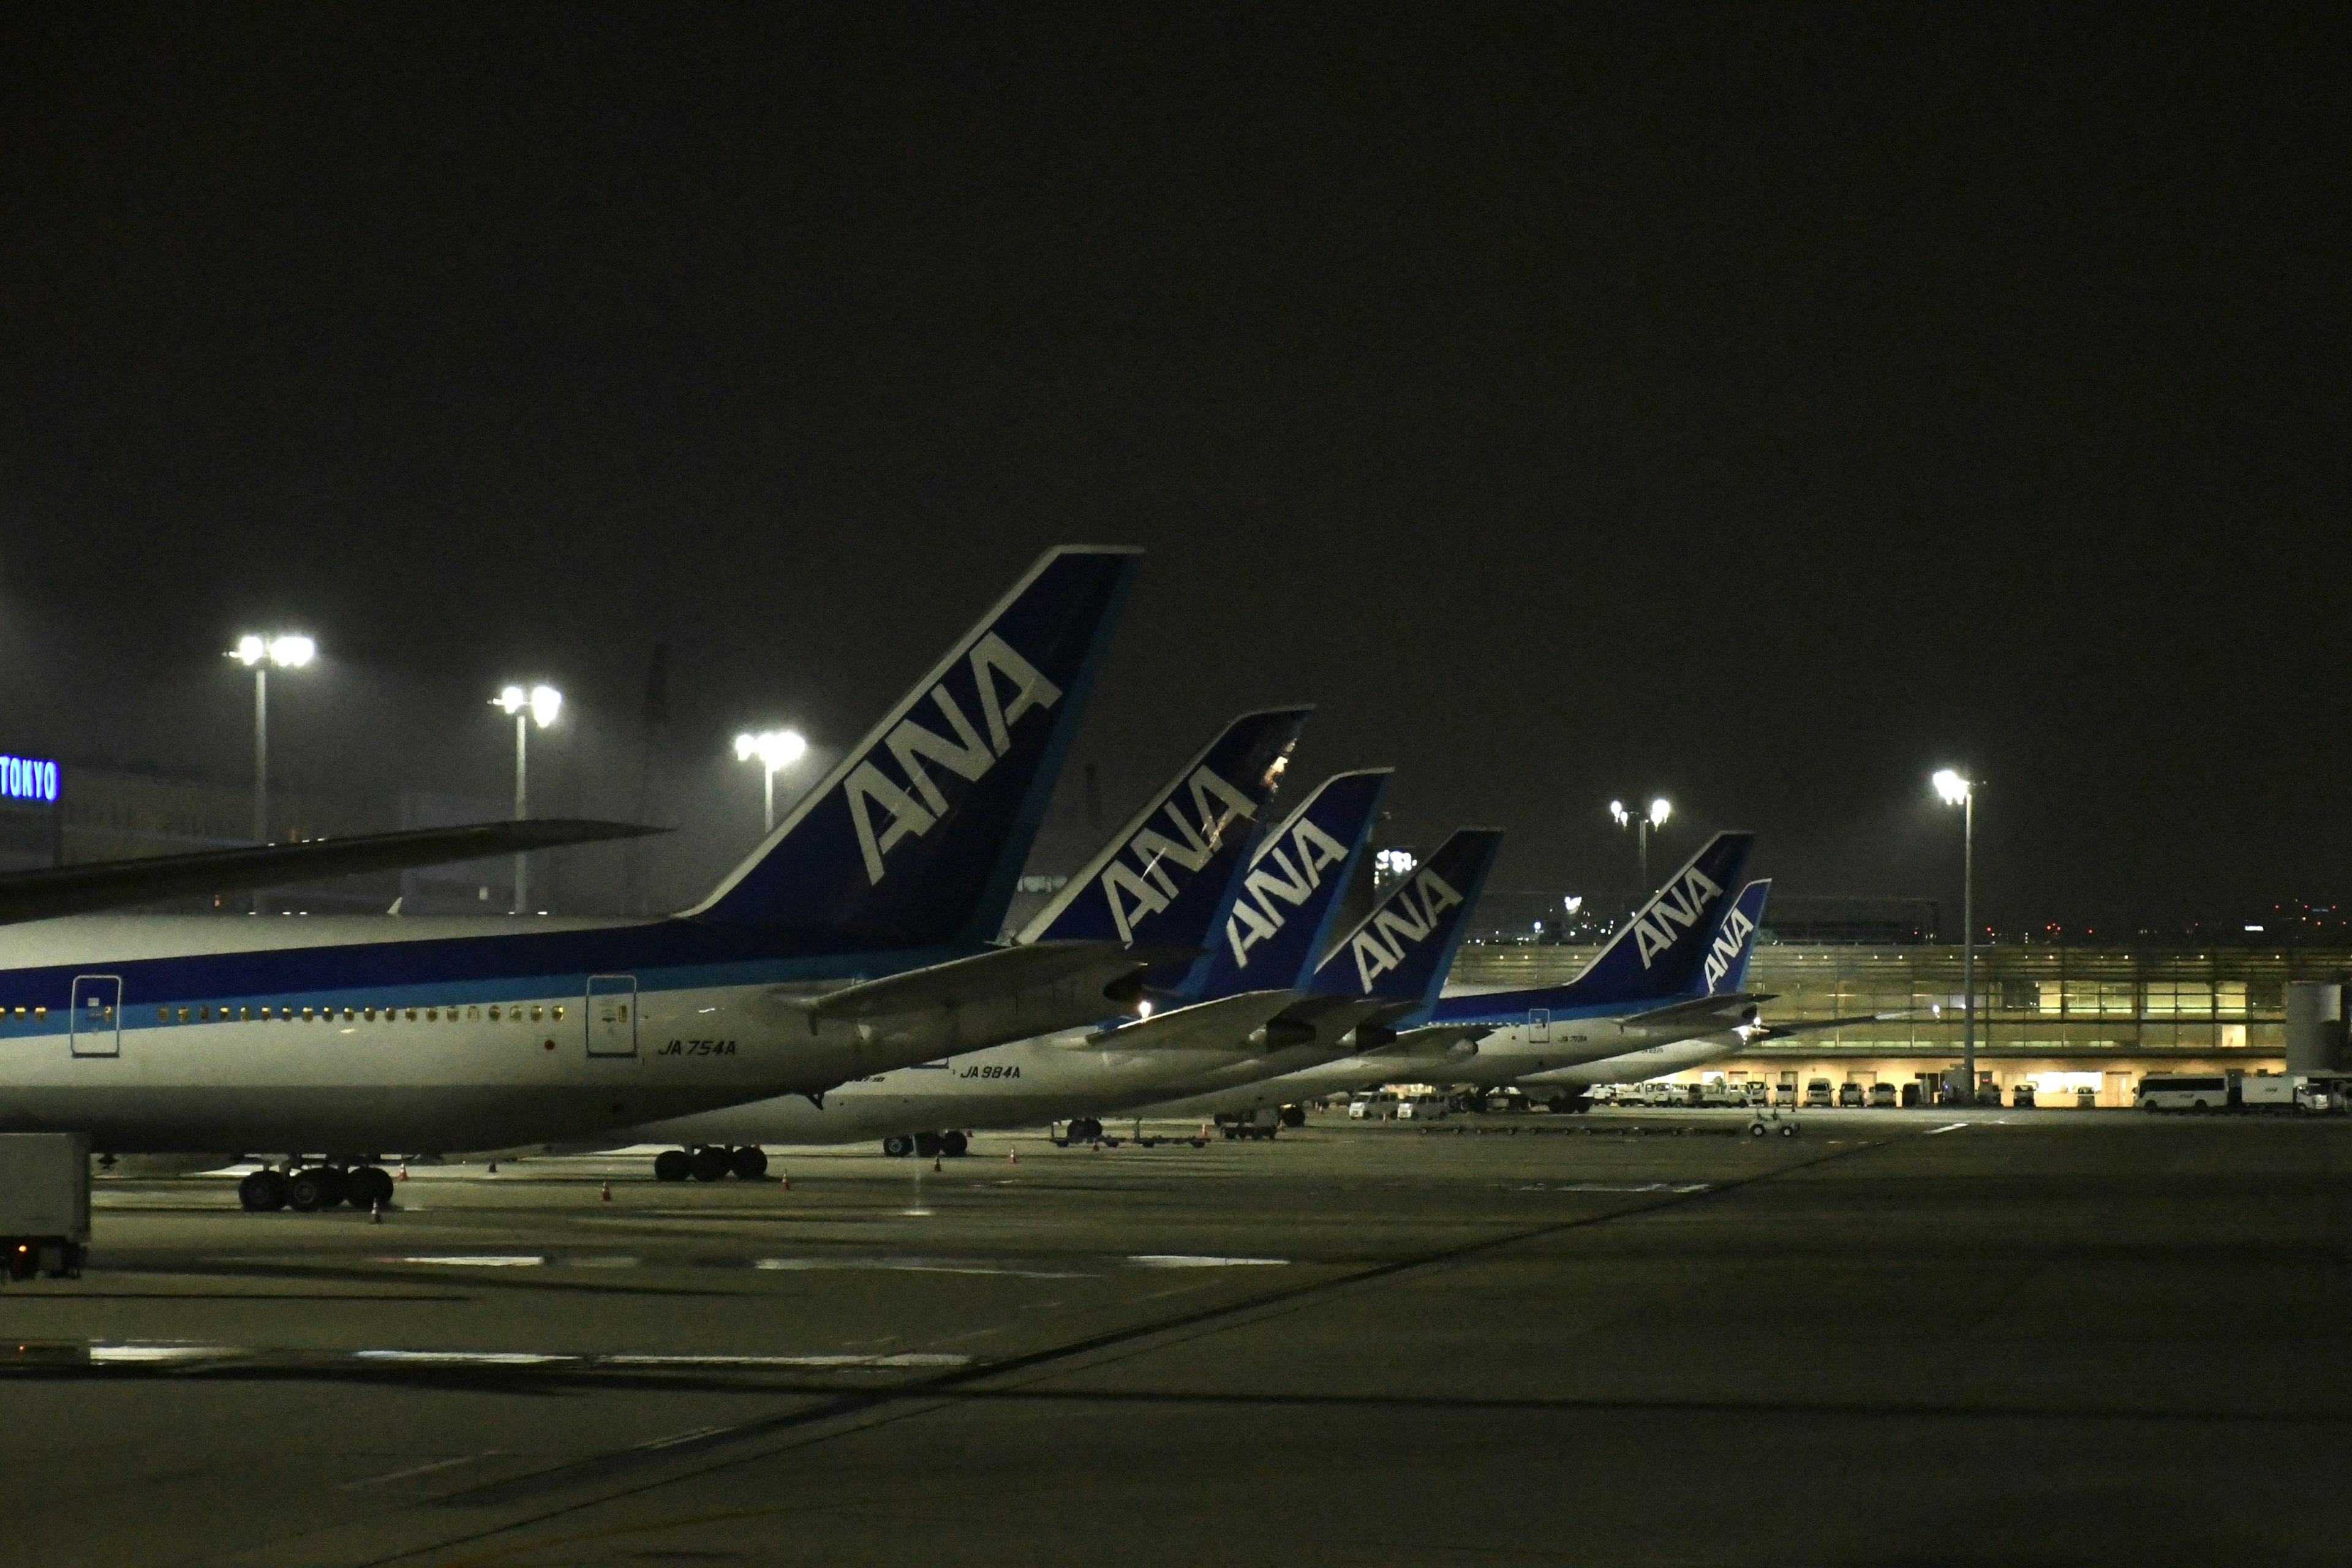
x=2184, y=1093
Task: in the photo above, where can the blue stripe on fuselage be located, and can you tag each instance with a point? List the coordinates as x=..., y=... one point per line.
x=663, y=955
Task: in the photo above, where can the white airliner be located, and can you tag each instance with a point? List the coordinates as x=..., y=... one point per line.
x=1217, y=1021
x=856, y=939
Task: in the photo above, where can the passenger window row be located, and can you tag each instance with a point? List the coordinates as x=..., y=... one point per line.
x=206, y=1013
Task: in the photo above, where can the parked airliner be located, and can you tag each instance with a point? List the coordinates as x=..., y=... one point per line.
x=855, y=939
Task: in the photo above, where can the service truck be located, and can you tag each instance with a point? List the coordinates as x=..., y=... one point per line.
x=44, y=1204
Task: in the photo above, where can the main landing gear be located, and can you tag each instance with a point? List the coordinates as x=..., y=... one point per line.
x=929, y=1145
x=712, y=1163
x=306, y=1189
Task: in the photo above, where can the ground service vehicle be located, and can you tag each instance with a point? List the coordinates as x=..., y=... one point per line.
x=1266, y=1123
x=2023, y=1097
x=1850, y=1096
x=44, y=1204
x=1817, y=1095
x=2181, y=1094
x=1882, y=1097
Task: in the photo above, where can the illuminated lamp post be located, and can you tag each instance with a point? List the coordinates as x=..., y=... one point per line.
x=538, y=706
x=257, y=652
x=1660, y=809
x=1962, y=792
x=773, y=749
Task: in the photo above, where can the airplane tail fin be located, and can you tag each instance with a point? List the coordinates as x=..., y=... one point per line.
x=1281, y=915
x=1167, y=877
x=1662, y=949
x=917, y=835
x=1726, y=964
x=1400, y=952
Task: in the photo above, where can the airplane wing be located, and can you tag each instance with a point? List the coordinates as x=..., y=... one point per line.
x=1227, y=1021
x=1000, y=971
x=118, y=884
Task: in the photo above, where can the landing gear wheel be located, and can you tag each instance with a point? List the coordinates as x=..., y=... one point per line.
x=1084, y=1129
x=672, y=1165
x=707, y=1163
x=750, y=1162
x=953, y=1144
x=898, y=1146
x=308, y=1191
x=927, y=1144
x=264, y=1192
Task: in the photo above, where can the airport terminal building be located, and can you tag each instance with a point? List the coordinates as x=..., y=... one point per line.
x=2062, y=1018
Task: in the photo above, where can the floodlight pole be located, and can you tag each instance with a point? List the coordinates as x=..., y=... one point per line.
x=522, y=804
x=260, y=763
x=1969, y=940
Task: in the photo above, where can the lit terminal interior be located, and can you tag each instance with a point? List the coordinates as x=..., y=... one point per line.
x=2060, y=1019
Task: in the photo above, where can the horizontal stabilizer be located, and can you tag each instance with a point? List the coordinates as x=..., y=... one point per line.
x=1816, y=1026
x=1431, y=1042
x=120, y=884
x=1229, y=1021
x=998, y=973
x=1725, y=1009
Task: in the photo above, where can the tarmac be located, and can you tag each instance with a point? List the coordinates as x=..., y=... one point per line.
x=1988, y=1337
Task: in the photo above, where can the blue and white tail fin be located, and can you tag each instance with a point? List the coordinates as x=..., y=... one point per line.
x=1166, y=879
x=917, y=837
x=1659, y=956
x=1725, y=965
x=1283, y=913
x=1400, y=952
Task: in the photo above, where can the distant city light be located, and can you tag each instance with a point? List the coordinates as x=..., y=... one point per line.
x=29, y=778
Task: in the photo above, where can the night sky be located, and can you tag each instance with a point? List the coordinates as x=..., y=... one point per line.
x=1763, y=405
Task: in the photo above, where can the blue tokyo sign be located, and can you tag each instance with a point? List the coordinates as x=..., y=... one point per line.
x=28, y=778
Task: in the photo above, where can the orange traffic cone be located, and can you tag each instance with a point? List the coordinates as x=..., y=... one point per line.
x=785, y=1181
x=607, y=1195
x=1013, y=1157
x=403, y=1170
x=935, y=1161
x=375, y=1214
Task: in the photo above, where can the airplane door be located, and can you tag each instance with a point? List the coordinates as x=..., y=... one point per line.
x=94, y=1022
x=1540, y=1025
x=612, y=1014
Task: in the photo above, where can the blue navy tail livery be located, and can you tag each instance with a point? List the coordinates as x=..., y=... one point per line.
x=1283, y=913
x=1660, y=956
x=1401, y=952
x=917, y=835
x=1166, y=876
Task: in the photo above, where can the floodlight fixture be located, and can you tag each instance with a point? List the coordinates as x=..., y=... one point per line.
x=774, y=750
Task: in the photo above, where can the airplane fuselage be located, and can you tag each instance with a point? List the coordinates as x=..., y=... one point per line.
x=383, y=1034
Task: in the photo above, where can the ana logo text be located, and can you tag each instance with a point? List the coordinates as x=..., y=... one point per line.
x=1729, y=941
x=1410, y=914
x=1283, y=873
x=1148, y=887
x=1680, y=906
x=1007, y=686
